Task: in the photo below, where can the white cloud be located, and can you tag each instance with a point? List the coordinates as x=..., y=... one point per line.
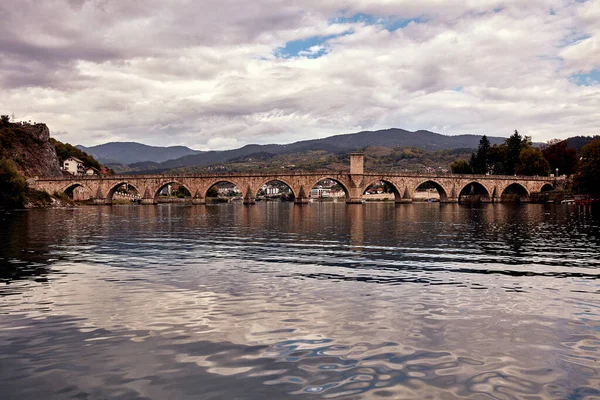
x=206, y=74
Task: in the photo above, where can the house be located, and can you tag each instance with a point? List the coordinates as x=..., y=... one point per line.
x=91, y=171
x=320, y=192
x=74, y=166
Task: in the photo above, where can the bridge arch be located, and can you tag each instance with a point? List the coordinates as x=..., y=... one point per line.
x=546, y=187
x=389, y=183
x=70, y=190
x=269, y=180
x=114, y=188
x=516, y=189
x=162, y=185
x=474, y=192
x=442, y=191
x=343, y=185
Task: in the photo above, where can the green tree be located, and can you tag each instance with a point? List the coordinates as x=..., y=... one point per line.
x=66, y=150
x=461, y=167
x=496, y=157
x=532, y=162
x=514, y=146
x=587, y=179
x=14, y=187
x=560, y=156
x=5, y=120
x=479, y=161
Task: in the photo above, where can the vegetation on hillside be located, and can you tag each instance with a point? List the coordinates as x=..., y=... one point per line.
x=66, y=150
x=516, y=156
x=11, y=138
x=376, y=158
x=14, y=186
x=587, y=179
x=560, y=156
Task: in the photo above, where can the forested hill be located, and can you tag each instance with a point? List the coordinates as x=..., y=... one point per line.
x=389, y=138
x=131, y=152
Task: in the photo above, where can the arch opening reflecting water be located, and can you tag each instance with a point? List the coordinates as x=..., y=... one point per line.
x=172, y=192
x=474, y=192
x=515, y=192
x=123, y=193
x=328, y=189
x=78, y=192
x=275, y=190
x=382, y=190
x=430, y=191
x=546, y=188
x=223, y=192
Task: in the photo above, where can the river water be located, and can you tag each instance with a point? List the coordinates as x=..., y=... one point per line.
x=276, y=301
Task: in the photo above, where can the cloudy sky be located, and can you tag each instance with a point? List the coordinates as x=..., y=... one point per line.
x=218, y=74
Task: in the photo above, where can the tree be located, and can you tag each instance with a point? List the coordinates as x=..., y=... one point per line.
x=560, y=156
x=14, y=187
x=587, y=179
x=482, y=156
x=5, y=120
x=496, y=157
x=461, y=167
x=66, y=150
x=513, y=150
x=532, y=162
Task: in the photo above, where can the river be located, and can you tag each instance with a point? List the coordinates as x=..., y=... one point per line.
x=321, y=301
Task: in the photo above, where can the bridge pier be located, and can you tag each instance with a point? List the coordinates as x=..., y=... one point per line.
x=148, y=201
x=198, y=200
x=302, y=200
x=404, y=201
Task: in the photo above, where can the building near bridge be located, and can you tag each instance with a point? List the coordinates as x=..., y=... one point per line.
x=74, y=166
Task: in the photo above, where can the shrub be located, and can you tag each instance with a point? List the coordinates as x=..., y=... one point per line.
x=14, y=186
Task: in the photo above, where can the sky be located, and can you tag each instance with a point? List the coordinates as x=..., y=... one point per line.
x=219, y=74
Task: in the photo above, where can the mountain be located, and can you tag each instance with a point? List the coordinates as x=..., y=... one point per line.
x=131, y=152
x=388, y=138
x=392, y=138
x=577, y=142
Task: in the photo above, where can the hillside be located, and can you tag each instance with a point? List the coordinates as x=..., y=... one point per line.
x=29, y=147
x=376, y=158
x=577, y=142
x=131, y=152
x=389, y=138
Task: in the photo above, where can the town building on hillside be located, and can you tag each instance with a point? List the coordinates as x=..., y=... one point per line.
x=320, y=192
x=92, y=171
x=74, y=166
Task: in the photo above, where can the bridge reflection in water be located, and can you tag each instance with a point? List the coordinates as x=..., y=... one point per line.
x=451, y=188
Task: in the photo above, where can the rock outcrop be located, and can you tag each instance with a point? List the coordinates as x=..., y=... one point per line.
x=29, y=147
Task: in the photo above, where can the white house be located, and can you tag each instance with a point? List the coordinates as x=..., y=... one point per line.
x=320, y=192
x=91, y=171
x=74, y=166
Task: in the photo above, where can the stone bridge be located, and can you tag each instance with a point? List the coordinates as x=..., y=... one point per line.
x=451, y=188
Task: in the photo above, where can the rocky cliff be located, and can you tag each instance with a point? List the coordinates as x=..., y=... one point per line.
x=29, y=147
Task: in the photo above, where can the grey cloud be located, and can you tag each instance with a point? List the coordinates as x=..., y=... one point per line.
x=185, y=72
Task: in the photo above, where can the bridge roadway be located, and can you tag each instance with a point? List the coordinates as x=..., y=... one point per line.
x=488, y=188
